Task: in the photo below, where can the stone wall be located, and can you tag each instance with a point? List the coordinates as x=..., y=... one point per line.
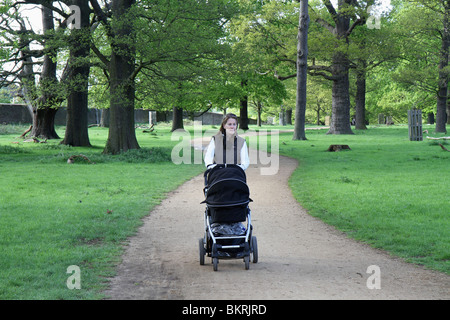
x=14, y=113
x=19, y=114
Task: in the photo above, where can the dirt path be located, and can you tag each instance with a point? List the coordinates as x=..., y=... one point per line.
x=299, y=256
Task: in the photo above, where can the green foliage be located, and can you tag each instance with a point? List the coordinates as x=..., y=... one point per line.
x=195, y=54
x=414, y=79
x=180, y=51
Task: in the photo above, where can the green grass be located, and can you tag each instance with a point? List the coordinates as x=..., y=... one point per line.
x=386, y=191
x=54, y=215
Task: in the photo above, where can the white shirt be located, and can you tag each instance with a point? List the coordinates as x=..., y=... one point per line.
x=209, y=155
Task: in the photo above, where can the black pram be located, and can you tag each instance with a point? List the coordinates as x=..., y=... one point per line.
x=227, y=210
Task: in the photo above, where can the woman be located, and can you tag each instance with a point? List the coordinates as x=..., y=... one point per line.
x=226, y=146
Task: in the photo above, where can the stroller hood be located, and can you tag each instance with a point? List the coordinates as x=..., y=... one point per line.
x=226, y=186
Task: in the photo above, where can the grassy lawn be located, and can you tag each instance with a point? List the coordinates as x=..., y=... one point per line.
x=386, y=191
x=54, y=215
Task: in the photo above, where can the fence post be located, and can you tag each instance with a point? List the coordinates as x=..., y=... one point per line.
x=415, y=125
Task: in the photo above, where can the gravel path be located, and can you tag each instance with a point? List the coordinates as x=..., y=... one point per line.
x=300, y=257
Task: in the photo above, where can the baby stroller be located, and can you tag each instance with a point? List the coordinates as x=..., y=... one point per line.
x=227, y=199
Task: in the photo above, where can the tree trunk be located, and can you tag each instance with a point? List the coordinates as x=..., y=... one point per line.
x=259, y=111
x=77, y=102
x=104, y=118
x=122, y=135
x=340, y=112
x=243, y=113
x=318, y=114
x=302, y=65
x=44, y=123
x=448, y=111
x=177, y=118
x=243, y=109
x=360, y=100
x=282, y=114
x=441, y=116
x=289, y=116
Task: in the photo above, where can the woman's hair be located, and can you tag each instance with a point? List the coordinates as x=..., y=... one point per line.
x=225, y=120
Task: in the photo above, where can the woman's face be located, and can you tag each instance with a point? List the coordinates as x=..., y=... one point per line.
x=231, y=125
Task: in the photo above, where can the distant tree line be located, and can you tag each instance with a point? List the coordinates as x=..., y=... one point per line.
x=349, y=59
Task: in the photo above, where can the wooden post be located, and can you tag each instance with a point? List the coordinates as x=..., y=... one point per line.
x=415, y=125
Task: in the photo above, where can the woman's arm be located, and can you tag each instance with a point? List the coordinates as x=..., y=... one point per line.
x=245, y=161
x=209, y=154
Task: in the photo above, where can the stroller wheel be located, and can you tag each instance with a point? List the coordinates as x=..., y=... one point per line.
x=202, y=251
x=215, y=260
x=254, y=249
x=247, y=262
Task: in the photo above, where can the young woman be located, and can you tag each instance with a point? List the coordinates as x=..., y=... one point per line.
x=226, y=146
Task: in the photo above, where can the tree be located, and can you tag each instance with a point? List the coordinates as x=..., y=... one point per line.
x=42, y=98
x=170, y=33
x=265, y=91
x=425, y=52
x=121, y=70
x=253, y=61
x=319, y=101
x=243, y=107
x=344, y=20
x=121, y=136
x=44, y=114
x=76, y=133
x=442, y=8
x=302, y=69
x=373, y=47
x=272, y=31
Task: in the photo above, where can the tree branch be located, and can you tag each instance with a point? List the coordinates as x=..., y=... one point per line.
x=331, y=10
x=281, y=78
x=320, y=71
x=358, y=22
x=100, y=55
x=326, y=25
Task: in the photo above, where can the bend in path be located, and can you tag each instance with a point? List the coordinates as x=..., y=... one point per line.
x=300, y=257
